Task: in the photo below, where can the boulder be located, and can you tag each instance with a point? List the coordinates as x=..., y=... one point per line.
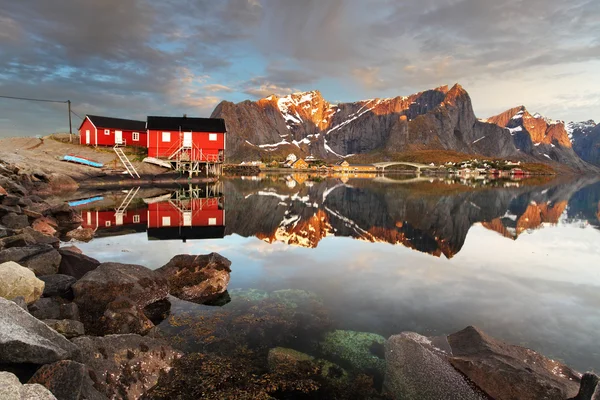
x=5, y=210
x=72, y=248
x=75, y=264
x=58, y=285
x=81, y=234
x=125, y=366
x=60, y=183
x=589, y=389
x=505, y=371
x=42, y=225
x=33, y=215
x=67, y=327
x=361, y=351
x=15, y=221
x=16, y=281
x=63, y=378
x=11, y=200
x=112, y=297
x=40, y=238
x=3, y=191
x=54, y=308
x=25, y=339
x=42, y=259
x=20, y=301
x=64, y=215
x=5, y=232
x=416, y=370
x=197, y=278
x=12, y=389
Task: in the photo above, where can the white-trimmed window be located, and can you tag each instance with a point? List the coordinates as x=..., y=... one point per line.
x=166, y=136
x=166, y=221
x=212, y=137
x=107, y=224
x=212, y=221
x=135, y=136
x=136, y=219
x=107, y=131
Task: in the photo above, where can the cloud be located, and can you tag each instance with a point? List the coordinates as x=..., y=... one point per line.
x=215, y=87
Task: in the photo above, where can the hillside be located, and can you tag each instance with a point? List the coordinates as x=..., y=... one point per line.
x=585, y=137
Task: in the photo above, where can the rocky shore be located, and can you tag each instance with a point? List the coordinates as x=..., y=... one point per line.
x=74, y=328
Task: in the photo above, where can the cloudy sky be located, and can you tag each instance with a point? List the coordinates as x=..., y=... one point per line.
x=131, y=58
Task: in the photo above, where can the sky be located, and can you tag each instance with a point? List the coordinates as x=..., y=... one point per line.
x=133, y=58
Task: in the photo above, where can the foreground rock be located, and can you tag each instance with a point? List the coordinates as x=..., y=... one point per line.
x=75, y=264
x=42, y=259
x=64, y=379
x=58, y=285
x=66, y=327
x=112, y=297
x=54, y=308
x=506, y=371
x=16, y=281
x=590, y=388
x=361, y=351
x=125, y=366
x=197, y=278
x=418, y=371
x=24, y=339
x=12, y=389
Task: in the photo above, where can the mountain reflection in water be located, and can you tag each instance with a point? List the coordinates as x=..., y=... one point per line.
x=331, y=237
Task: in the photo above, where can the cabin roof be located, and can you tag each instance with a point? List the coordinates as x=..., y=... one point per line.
x=117, y=123
x=187, y=124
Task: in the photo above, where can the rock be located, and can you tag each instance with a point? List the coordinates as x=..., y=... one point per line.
x=125, y=366
x=73, y=249
x=5, y=210
x=11, y=200
x=3, y=191
x=112, y=297
x=12, y=389
x=20, y=301
x=40, y=238
x=74, y=263
x=64, y=215
x=81, y=234
x=43, y=226
x=589, y=389
x=293, y=298
x=197, y=278
x=54, y=308
x=280, y=356
x=25, y=339
x=5, y=232
x=63, y=378
x=16, y=281
x=15, y=221
x=60, y=183
x=34, y=215
x=158, y=311
x=360, y=351
x=415, y=370
x=58, y=285
x=66, y=327
x=41, y=259
x=506, y=371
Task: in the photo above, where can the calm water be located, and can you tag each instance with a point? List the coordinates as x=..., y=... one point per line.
x=379, y=256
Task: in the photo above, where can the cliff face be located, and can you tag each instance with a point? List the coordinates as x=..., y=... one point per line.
x=585, y=137
x=540, y=137
x=305, y=123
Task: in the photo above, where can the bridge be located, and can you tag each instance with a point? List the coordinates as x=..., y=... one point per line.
x=381, y=166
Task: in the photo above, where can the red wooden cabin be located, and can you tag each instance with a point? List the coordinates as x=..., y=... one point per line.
x=106, y=131
x=198, y=139
x=111, y=223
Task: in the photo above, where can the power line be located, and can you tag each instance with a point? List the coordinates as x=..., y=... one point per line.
x=77, y=115
x=30, y=99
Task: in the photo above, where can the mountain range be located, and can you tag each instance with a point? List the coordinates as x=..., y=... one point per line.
x=438, y=119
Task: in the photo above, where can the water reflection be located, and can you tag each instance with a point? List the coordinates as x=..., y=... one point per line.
x=432, y=217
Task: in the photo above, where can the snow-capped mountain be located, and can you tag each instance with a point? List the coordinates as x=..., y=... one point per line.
x=540, y=137
x=585, y=137
x=305, y=123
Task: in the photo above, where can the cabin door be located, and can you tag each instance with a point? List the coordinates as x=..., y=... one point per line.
x=187, y=140
x=187, y=218
x=87, y=136
x=118, y=137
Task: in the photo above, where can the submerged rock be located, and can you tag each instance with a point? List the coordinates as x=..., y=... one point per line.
x=16, y=281
x=112, y=297
x=63, y=378
x=25, y=339
x=416, y=370
x=125, y=366
x=75, y=264
x=361, y=351
x=250, y=295
x=281, y=356
x=505, y=371
x=12, y=389
x=197, y=278
x=294, y=297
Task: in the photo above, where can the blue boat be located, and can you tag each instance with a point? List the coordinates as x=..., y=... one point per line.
x=82, y=160
x=82, y=202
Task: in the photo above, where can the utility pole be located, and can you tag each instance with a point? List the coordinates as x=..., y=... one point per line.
x=70, y=127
